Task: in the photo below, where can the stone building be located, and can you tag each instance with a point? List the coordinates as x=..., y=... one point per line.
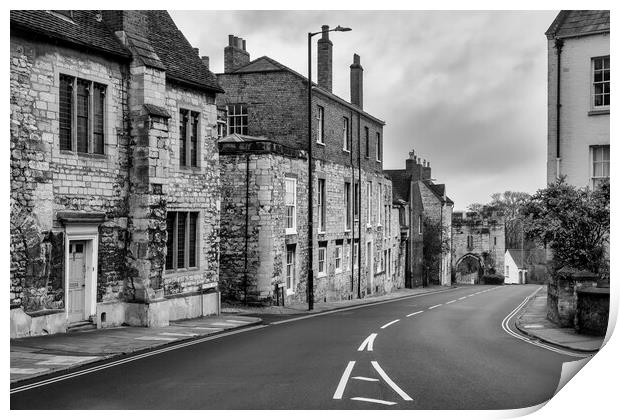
x=264, y=171
x=478, y=245
x=114, y=172
x=429, y=211
x=578, y=89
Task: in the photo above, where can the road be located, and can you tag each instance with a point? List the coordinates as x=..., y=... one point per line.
x=445, y=350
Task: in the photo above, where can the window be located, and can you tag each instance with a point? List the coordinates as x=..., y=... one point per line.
x=420, y=224
x=347, y=205
x=495, y=240
x=320, y=128
x=367, y=137
x=290, y=268
x=356, y=249
x=356, y=199
x=470, y=242
x=338, y=258
x=507, y=270
x=322, y=209
x=346, y=141
x=182, y=243
x=389, y=263
x=188, y=137
x=600, y=82
x=600, y=163
x=379, y=203
x=322, y=265
x=291, y=205
x=378, y=147
x=368, y=202
x=81, y=115
x=237, y=119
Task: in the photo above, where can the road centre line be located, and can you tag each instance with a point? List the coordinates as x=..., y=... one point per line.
x=372, y=400
x=461, y=298
x=390, y=323
x=363, y=378
x=368, y=342
x=415, y=313
x=391, y=383
x=343, y=381
x=435, y=306
x=452, y=301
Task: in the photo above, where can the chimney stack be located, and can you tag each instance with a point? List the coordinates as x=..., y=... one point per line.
x=426, y=170
x=324, y=54
x=357, y=82
x=205, y=61
x=411, y=163
x=235, y=55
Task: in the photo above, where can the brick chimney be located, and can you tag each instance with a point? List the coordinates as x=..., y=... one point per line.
x=235, y=55
x=357, y=82
x=324, y=66
x=426, y=170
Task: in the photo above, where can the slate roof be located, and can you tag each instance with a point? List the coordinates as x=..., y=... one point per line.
x=517, y=256
x=401, y=183
x=164, y=47
x=439, y=191
x=83, y=30
x=571, y=23
x=267, y=64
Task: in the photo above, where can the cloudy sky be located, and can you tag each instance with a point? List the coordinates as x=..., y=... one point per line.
x=465, y=89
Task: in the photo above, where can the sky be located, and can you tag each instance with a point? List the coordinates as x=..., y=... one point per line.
x=467, y=90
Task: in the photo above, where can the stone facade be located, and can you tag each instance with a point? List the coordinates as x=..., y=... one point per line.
x=275, y=100
x=478, y=244
x=113, y=204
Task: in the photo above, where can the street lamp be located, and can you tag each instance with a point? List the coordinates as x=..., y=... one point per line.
x=310, y=204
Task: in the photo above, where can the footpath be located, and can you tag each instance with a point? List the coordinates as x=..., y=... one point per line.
x=534, y=323
x=36, y=357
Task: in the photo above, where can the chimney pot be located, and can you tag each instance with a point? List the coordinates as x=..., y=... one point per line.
x=243, y=45
x=235, y=55
x=231, y=40
x=325, y=30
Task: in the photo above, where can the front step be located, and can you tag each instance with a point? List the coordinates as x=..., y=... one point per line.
x=81, y=326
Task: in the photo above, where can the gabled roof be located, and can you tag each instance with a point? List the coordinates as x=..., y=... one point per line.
x=517, y=256
x=571, y=23
x=83, y=29
x=266, y=64
x=401, y=184
x=438, y=190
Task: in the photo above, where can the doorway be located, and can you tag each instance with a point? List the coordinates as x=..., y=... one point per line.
x=76, y=287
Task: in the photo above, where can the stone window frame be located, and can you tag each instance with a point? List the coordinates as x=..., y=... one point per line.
x=338, y=254
x=593, y=162
x=603, y=82
x=108, y=112
x=379, y=154
x=322, y=204
x=320, y=125
x=419, y=224
x=346, y=138
x=356, y=201
x=186, y=106
x=322, y=260
x=379, y=204
x=292, y=266
x=355, y=253
x=231, y=128
x=290, y=230
x=186, y=268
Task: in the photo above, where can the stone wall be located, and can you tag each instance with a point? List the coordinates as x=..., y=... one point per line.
x=592, y=312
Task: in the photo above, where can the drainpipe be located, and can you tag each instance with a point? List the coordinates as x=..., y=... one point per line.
x=558, y=46
x=247, y=218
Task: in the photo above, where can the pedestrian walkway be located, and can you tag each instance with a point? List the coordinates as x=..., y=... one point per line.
x=42, y=355
x=534, y=323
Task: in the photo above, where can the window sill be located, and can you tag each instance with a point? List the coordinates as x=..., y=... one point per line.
x=181, y=271
x=321, y=275
x=290, y=292
x=320, y=143
x=346, y=151
x=290, y=232
x=190, y=168
x=599, y=112
x=84, y=155
x=368, y=226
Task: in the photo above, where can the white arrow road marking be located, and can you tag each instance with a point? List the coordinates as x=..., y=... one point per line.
x=415, y=313
x=343, y=381
x=363, y=378
x=390, y=323
x=368, y=342
x=391, y=383
x=373, y=400
x=435, y=306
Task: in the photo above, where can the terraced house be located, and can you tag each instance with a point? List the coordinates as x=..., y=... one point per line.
x=114, y=172
x=264, y=173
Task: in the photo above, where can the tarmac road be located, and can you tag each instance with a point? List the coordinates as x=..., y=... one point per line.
x=446, y=350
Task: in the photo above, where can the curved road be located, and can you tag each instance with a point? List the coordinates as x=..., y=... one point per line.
x=445, y=350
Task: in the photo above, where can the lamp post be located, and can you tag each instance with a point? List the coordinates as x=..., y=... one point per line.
x=310, y=183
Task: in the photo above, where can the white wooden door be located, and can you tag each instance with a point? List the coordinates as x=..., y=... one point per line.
x=77, y=281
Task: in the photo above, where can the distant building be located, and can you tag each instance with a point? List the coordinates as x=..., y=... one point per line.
x=114, y=172
x=264, y=174
x=478, y=245
x=515, y=271
x=428, y=204
x=578, y=97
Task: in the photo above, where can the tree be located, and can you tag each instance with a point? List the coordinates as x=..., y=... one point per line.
x=573, y=222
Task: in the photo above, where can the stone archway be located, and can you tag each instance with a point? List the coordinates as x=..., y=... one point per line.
x=469, y=269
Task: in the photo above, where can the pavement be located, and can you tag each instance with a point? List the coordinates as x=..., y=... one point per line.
x=534, y=323
x=33, y=357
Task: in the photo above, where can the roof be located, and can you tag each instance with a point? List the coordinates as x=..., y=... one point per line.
x=571, y=23
x=84, y=29
x=439, y=190
x=181, y=62
x=401, y=183
x=266, y=64
x=164, y=46
x=517, y=256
